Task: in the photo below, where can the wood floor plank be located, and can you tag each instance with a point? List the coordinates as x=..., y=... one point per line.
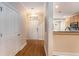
x=33, y=48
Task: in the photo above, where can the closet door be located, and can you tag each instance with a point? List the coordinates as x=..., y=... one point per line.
x=11, y=31
x=2, y=29
x=1, y=19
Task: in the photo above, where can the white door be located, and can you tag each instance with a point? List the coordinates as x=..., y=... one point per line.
x=34, y=29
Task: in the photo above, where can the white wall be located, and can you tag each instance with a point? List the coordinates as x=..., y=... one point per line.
x=49, y=36
x=10, y=26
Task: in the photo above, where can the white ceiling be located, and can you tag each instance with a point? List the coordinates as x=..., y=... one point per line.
x=38, y=6
x=65, y=9
x=33, y=4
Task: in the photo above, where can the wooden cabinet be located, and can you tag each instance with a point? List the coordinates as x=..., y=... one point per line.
x=71, y=19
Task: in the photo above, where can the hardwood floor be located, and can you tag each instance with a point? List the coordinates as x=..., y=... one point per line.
x=33, y=48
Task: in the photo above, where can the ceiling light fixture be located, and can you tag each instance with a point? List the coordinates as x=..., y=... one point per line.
x=33, y=12
x=64, y=16
x=56, y=6
x=32, y=8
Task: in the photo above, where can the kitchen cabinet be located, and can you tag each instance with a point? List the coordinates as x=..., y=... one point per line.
x=58, y=25
x=73, y=21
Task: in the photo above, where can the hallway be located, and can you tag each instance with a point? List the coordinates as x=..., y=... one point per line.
x=21, y=21
x=33, y=48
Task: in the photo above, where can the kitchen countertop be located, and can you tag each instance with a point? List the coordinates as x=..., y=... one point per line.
x=66, y=32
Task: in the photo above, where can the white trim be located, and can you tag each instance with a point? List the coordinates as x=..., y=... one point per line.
x=34, y=39
x=18, y=49
x=59, y=53
x=45, y=51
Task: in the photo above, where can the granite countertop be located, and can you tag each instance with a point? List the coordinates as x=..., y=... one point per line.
x=66, y=32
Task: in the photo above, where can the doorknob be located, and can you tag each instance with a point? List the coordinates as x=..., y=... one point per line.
x=0, y=35
x=18, y=34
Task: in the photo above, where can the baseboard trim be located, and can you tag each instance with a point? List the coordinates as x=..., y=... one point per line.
x=34, y=39
x=20, y=48
x=45, y=51
x=58, y=53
